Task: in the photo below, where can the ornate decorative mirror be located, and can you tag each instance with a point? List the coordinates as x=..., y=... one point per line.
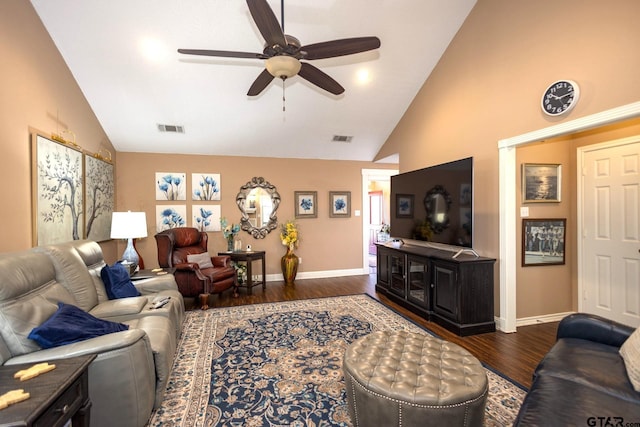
x=258, y=202
x=437, y=203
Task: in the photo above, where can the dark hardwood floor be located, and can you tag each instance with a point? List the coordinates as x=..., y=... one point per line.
x=515, y=355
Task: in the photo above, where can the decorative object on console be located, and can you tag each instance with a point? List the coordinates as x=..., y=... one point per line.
x=205, y=186
x=289, y=262
x=397, y=243
x=560, y=97
x=129, y=225
x=306, y=204
x=229, y=232
x=170, y=216
x=56, y=191
x=171, y=186
x=258, y=201
x=340, y=204
x=541, y=182
x=543, y=241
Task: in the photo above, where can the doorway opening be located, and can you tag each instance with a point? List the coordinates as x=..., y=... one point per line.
x=376, y=191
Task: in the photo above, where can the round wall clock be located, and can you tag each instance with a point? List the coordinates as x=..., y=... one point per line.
x=560, y=97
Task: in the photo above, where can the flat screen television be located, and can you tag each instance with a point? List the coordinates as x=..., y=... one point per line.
x=434, y=204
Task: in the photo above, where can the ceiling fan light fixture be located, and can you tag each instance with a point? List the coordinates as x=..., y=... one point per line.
x=283, y=66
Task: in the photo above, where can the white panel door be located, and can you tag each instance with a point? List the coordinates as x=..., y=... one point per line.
x=610, y=251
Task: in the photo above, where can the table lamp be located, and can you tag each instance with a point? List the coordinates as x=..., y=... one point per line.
x=129, y=225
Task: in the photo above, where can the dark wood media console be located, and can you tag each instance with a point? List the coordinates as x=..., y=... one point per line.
x=456, y=293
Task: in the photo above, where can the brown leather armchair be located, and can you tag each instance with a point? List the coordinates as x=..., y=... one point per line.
x=174, y=246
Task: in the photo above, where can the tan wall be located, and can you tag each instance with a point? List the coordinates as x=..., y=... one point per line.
x=326, y=243
x=488, y=87
x=37, y=91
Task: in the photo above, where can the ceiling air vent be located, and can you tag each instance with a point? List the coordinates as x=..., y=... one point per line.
x=171, y=128
x=342, y=138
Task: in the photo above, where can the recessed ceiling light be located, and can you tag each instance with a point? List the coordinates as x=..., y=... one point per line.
x=363, y=76
x=153, y=49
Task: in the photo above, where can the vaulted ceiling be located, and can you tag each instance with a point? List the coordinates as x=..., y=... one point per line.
x=123, y=54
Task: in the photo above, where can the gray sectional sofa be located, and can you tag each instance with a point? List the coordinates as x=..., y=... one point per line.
x=129, y=375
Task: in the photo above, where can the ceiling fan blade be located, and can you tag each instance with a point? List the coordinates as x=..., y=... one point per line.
x=222, y=53
x=266, y=22
x=320, y=79
x=340, y=47
x=260, y=83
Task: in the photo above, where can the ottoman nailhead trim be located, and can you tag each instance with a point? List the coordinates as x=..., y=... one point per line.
x=355, y=406
x=418, y=405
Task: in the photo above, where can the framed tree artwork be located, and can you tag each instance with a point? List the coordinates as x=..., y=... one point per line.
x=98, y=197
x=340, y=204
x=57, y=191
x=543, y=241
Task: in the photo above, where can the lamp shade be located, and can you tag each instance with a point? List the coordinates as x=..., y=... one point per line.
x=128, y=225
x=283, y=66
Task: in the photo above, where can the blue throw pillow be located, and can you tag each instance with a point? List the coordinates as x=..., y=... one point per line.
x=117, y=282
x=70, y=324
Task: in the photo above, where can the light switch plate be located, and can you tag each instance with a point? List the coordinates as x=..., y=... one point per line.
x=524, y=211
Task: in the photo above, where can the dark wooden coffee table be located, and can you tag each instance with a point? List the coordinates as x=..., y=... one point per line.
x=249, y=257
x=55, y=396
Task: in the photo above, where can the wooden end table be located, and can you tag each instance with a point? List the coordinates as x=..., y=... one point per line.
x=56, y=396
x=249, y=257
x=153, y=272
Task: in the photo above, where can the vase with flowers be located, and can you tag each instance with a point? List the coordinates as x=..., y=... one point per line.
x=229, y=232
x=289, y=262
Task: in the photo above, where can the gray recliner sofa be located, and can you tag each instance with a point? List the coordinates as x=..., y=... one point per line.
x=129, y=375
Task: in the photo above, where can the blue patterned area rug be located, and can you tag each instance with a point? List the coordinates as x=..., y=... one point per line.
x=280, y=364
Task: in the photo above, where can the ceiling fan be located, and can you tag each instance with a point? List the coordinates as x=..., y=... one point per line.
x=283, y=53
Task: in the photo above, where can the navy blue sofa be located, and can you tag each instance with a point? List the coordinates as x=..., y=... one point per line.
x=582, y=380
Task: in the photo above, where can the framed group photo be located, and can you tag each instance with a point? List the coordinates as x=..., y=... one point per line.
x=543, y=241
x=541, y=182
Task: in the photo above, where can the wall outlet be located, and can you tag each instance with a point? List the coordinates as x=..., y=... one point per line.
x=299, y=260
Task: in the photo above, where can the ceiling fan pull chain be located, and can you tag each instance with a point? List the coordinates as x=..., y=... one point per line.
x=283, y=98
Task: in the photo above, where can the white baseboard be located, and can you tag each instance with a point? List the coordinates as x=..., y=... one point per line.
x=320, y=274
x=533, y=320
x=546, y=318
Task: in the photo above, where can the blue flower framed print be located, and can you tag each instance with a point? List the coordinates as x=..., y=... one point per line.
x=340, y=204
x=306, y=204
x=404, y=205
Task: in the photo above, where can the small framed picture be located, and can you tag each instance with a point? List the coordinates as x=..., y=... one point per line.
x=306, y=204
x=340, y=204
x=541, y=182
x=404, y=205
x=543, y=241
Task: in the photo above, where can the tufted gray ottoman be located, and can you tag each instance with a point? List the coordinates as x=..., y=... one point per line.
x=398, y=378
